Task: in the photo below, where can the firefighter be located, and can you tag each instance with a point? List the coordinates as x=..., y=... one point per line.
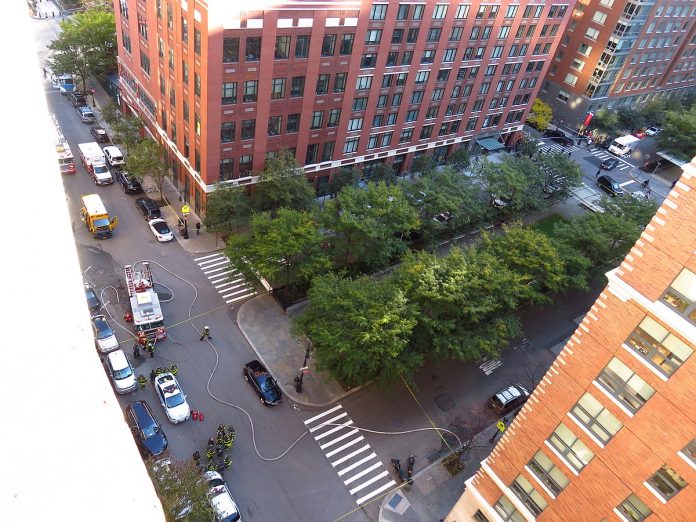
x=220, y=438
x=136, y=351
x=159, y=370
x=206, y=333
x=227, y=462
x=142, y=339
x=196, y=456
x=209, y=453
x=142, y=381
x=150, y=348
x=152, y=376
x=175, y=370
x=211, y=442
x=211, y=466
x=220, y=431
x=219, y=450
x=229, y=439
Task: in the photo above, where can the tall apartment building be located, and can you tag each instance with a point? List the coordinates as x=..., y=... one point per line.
x=610, y=432
x=621, y=53
x=339, y=83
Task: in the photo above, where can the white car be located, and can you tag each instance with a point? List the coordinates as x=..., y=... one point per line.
x=104, y=335
x=160, y=230
x=172, y=398
x=221, y=498
x=121, y=372
x=651, y=131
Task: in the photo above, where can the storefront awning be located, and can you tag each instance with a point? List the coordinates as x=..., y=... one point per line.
x=490, y=144
x=679, y=162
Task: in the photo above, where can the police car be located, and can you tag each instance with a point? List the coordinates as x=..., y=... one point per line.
x=172, y=398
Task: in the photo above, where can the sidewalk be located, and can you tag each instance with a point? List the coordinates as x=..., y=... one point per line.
x=47, y=9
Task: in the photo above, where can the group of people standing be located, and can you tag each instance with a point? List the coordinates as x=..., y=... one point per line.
x=217, y=451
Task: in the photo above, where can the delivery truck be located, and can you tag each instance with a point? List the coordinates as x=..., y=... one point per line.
x=92, y=158
x=624, y=145
x=96, y=218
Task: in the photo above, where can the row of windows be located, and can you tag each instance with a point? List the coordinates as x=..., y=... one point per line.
x=462, y=11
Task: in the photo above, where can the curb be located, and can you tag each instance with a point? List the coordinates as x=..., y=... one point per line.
x=290, y=395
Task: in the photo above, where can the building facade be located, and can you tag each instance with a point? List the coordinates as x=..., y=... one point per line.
x=339, y=83
x=609, y=434
x=622, y=53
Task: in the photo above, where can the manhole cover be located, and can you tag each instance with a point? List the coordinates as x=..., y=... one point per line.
x=444, y=402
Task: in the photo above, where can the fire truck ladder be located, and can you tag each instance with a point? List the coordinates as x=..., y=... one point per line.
x=128, y=269
x=147, y=273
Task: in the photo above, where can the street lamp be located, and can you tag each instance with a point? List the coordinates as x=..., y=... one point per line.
x=303, y=370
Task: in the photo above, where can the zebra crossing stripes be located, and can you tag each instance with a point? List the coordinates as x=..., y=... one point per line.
x=488, y=365
x=603, y=155
x=551, y=146
x=225, y=278
x=356, y=464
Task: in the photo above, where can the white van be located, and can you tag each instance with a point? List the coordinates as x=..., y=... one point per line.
x=113, y=155
x=121, y=372
x=624, y=145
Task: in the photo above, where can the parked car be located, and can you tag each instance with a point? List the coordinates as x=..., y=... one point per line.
x=147, y=431
x=101, y=174
x=651, y=131
x=508, y=399
x=86, y=115
x=263, y=384
x=104, y=335
x=609, y=185
x=114, y=157
x=610, y=164
x=149, y=208
x=130, y=184
x=640, y=134
x=172, y=398
x=99, y=134
x=93, y=302
x=160, y=230
x=220, y=498
x=559, y=137
x=77, y=99
x=443, y=218
x=121, y=372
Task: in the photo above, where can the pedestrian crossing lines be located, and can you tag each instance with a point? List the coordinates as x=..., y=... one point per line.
x=353, y=459
x=550, y=146
x=488, y=365
x=225, y=278
x=604, y=155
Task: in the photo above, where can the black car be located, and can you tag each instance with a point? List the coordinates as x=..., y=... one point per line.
x=559, y=137
x=147, y=431
x=77, y=99
x=99, y=134
x=610, y=186
x=264, y=385
x=93, y=302
x=610, y=164
x=508, y=399
x=149, y=208
x=130, y=184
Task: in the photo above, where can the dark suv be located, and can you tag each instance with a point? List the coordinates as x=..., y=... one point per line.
x=508, y=399
x=77, y=99
x=130, y=184
x=146, y=430
x=149, y=208
x=559, y=137
x=610, y=186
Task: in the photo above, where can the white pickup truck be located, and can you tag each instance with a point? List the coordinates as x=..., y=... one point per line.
x=93, y=159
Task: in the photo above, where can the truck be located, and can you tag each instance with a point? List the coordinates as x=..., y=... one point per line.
x=96, y=218
x=93, y=159
x=624, y=145
x=65, y=83
x=146, y=311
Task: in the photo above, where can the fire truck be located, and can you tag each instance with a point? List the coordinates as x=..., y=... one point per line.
x=145, y=305
x=65, y=157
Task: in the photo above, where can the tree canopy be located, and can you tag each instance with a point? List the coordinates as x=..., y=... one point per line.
x=283, y=184
x=227, y=210
x=540, y=115
x=181, y=490
x=147, y=159
x=679, y=132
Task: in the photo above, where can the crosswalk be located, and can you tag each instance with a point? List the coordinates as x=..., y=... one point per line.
x=604, y=155
x=489, y=365
x=225, y=278
x=350, y=455
x=550, y=146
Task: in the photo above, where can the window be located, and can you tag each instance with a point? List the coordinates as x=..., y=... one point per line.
x=634, y=509
x=431, y=113
x=529, y=496
x=681, y=295
x=372, y=37
x=292, y=123
x=627, y=387
x=422, y=77
x=251, y=91
x=589, y=412
x=297, y=86
x=511, y=11
x=475, y=31
x=317, y=119
x=417, y=97
x=481, y=12
x=411, y=115
x=355, y=124
x=302, y=46
x=485, y=87
x=456, y=34
x=282, y=48
x=504, y=31
x=275, y=124
x=145, y=63
x=507, y=511
x=406, y=58
x=351, y=145
x=229, y=93
x=426, y=132
x=401, y=79
x=245, y=163
x=396, y=99
x=278, y=88
x=440, y=11
x=658, y=346
x=378, y=12
x=387, y=80
x=667, y=482
x=471, y=124
x=449, y=55
x=585, y=49
x=226, y=168
x=486, y=32
x=227, y=132
x=312, y=150
x=391, y=118
x=363, y=83
x=230, y=50
x=323, y=84
x=392, y=58
x=572, y=449
x=347, y=44
x=253, y=49
x=397, y=36
x=406, y=135
x=428, y=56
x=248, y=129
x=186, y=112
x=184, y=71
x=412, y=35
x=443, y=75
x=368, y=60
x=402, y=13
x=480, y=517
x=462, y=11
x=418, y=11
x=592, y=33
x=334, y=116
x=372, y=141
x=197, y=41
x=340, y=82
x=359, y=104
x=548, y=473
x=599, y=17
x=437, y=94
x=377, y=120
x=571, y=79
x=328, y=44
x=197, y=84
x=434, y=35
x=478, y=105
x=327, y=150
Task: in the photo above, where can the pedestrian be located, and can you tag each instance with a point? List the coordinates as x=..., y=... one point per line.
x=198, y=228
x=599, y=171
x=211, y=442
x=589, y=142
x=646, y=183
x=648, y=191
x=211, y=466
x=159, y=370
x=142, y=381
x=136, y=351
x=196, y=456
x=569, y=153
x=220, y=438
x=209, y=454
x=229, y=438
x=150, y=348
x=174, y=369
x=152, y=376
x=219, y=451
x=206, y=333
x=227, y=462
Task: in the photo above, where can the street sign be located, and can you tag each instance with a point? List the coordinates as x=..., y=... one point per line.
x=501, y=426
x=185, y=210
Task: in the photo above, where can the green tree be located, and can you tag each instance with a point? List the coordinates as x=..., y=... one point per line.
x=423, y=164
x=679, y=133
x=540, y=115
x=360, y=329
x=282, y=184
x=630, y=119
x=460, y=159
x=515, y=184
x=286, y=247
x=147, y=159
x=85, y=45
x=606, y=121
x=532, y=255
x=383, y=172
x=464, y=303
x=527, y=147
x=227, y=210
x=344, y=177
x=367, y=224
x=127, y=131
x=181, y=490
x=654, y=112
x=560, y=175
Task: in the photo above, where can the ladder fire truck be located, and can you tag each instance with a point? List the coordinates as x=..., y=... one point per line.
x=145, y=305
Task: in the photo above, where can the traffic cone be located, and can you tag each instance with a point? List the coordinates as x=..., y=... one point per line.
x=200, y=416
x=194, y=415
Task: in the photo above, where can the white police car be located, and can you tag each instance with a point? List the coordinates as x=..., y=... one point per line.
x=172, y=398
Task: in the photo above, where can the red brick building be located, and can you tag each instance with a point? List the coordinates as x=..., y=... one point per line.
x=610, y=432
x=622, y=53
x=339, y=83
